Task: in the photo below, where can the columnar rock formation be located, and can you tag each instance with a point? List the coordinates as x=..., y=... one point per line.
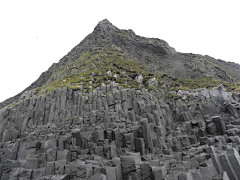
x=117, y=133
x=74, y=126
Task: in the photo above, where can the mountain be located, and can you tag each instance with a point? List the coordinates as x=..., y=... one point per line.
x=120, y=106
x=156, y=54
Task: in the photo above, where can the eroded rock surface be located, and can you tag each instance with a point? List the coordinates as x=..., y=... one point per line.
x=121, y=133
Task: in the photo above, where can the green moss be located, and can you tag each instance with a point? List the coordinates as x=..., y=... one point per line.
x=173, y=96
x=92, y=67
x=150, y=88
x=15, y=104
x=207, y=82
x=146, y=78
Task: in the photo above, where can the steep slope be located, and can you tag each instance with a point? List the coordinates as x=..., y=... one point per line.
x=156, y=54
x=107, y=112
x=233, y=69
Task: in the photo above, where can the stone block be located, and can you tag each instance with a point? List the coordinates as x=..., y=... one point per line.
x=139, y=145
x=99, y=150
x=211, y=128
x=158, y=172
x=108, y=134
x=98, y=134
x=111, y=173
x=51, y=155
x=50, y=168
x=50, y=144
x=233, y=110
x=118, y=137
x=196, y=174
x=132, y=115
x=42, y=159
x=234, y=159
x=84, y=171
x=146, y=171
x=64, y=155
x=146, y=134
x=118, y=171
x=220, y=125
x=227, y=167
x=128, y=164
x=32, y=163
x=22, y=151
x=129, y=141
x=205, y=173
x=76, y=137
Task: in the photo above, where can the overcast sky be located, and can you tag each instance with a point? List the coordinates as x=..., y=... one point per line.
x=36, y=34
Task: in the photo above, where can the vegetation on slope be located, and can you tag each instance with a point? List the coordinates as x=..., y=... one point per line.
x=103, y=65
x=230, y=67
x=205, y=82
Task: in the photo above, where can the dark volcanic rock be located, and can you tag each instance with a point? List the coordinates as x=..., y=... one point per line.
x=152, y=146
x=110, y=132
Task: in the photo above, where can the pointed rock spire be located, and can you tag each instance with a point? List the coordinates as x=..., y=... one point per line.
x=105, y=22
x=105, y=25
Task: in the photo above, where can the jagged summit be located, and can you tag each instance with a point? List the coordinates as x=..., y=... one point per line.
x=108, y=27
x=105, y=26
x=105, y=23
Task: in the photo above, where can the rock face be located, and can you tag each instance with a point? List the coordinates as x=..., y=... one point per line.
x=113, y=132
x=230, y=67
x=154, y=53
x=121, y=134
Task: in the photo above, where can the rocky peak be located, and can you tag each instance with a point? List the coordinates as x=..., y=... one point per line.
x=155, y=53
x=104, y=26
x=105, y=23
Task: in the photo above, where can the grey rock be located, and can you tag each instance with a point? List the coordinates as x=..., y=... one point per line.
x=139, y=145
x=152, y=82
x=84, y=171
x=227, y=167
x=139, y=78
x=220, y=125
x=60, y=177
x=128, y=164
x=146, y=134
x=32, y=163
x=158, y=172
x=234, y=159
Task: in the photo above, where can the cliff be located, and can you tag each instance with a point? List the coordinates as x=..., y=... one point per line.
x=113, y=109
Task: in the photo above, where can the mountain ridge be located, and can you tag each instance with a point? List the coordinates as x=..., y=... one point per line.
x=155, y=53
